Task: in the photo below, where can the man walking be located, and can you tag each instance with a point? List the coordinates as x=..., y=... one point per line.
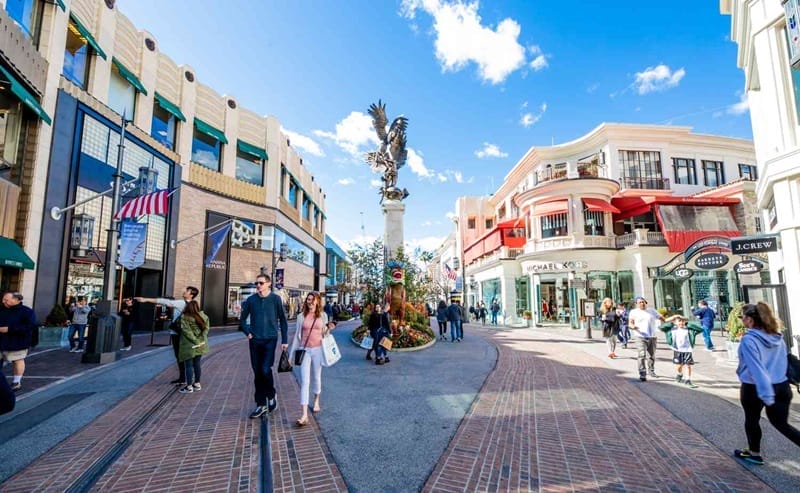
x=454, y=316
x=265, y=310
x=80, y=317
x=189, y=294
x=644, y=323
x=495, y=310
x=17, y=323
x=706, y=316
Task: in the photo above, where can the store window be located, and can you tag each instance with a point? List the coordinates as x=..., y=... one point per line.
x=249, y=168
x=642, y=169
x=594, y=223
x=163, y=126
x=206, y=150
x=76, y=56
x=11, y=123
x=293, y=190
x=297, y=250
x=748, y=172
x=27, y=14
x=685, y=171
x=626, y=294
x=713, y=173
x=553, y=225
x=121, y=94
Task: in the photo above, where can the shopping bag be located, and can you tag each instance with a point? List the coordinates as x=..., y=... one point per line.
x=330, y=351
x=367, y=342
x=283, y=364
x=386, y=343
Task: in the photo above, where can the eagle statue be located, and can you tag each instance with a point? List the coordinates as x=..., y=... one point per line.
x=391, y=154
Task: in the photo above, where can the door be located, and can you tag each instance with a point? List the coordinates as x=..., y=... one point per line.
x=775, y=296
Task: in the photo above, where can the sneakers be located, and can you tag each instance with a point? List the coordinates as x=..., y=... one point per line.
x=642, y=377
x=186, y=390
x=748, y=456
x=678, y=378
x=16, y=387
x=709, y=349
x=652, y=374
x=690, y=384
x=73, y=350
x=180, y=384
x=258, y=412
x=272, y=404
x=197, y=387
x=379, y=361
x=369, y=357
x=126, y=348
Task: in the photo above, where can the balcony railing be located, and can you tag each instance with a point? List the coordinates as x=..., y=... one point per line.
x=645, y=183
x=656, y=238
x=551, y=174
x=627, y=239
x=590, y=171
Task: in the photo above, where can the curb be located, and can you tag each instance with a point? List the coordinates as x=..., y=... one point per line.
x=402, y=350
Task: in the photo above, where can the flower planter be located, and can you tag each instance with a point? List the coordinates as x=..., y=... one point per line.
x=733, y=350
x=50, y=337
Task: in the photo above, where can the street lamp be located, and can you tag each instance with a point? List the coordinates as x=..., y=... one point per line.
x=82, y=234
x=276, y=256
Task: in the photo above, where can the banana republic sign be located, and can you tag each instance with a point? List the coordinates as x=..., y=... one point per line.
x=754, y=244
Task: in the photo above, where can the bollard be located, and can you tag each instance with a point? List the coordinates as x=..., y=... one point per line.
x=588, y=321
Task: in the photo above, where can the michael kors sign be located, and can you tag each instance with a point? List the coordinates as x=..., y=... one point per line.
x=754, y=244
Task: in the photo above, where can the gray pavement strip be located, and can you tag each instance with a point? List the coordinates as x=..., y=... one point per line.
x=32, y=417
x=387, y=426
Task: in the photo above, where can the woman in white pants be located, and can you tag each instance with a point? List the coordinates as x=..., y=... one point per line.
x=312, y=326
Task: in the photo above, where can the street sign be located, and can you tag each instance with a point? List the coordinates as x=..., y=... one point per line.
x=683, y=273
x=754, y=244
x=748, y=267
x=711, y=261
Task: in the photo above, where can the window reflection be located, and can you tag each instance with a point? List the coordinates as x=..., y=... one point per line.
x=76, y=57
x=206, y=150
x=249, y=168
x=163, y=125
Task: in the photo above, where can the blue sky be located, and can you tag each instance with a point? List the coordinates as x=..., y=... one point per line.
x=480, y=82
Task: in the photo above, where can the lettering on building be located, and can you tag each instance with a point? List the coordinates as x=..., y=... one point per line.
x=537, y=267
x=747, y=245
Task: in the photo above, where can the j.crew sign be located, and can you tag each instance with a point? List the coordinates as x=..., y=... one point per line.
x=754, y=244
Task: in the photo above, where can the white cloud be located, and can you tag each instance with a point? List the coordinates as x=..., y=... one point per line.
x=461, y=39
x=346, y=181
x=540, y=60
x=658, y=78
x=427, y=223
x=306, y=144
x=529, y=119
x=740, y=108
x=375, y=183
x=441, y=177
x=490, y=150
x=592, y=88
x=427, y=243
x=354, y=134
x=450, y=215
x=417, y=164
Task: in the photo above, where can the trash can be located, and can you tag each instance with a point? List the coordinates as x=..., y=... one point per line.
x=104, y=333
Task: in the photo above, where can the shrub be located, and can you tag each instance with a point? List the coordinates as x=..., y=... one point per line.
x=57, y=316
x=734, y=325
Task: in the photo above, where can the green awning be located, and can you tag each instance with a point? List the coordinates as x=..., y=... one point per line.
x=130, y=77
x=25, y=96
x=210, y=131
x=88, y=36
x=252, y=150
x=61, y=4
x=12, y=255
x=172, y=108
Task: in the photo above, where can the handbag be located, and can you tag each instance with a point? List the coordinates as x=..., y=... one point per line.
x=330, y=351
x=283, y=364
x=299, y=354
x=385, y=343
x=367, y=342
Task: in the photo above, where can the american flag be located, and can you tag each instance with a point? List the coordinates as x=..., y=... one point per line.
x=450, y=273
x=152, y=203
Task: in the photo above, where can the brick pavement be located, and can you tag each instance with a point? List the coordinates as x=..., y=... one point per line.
x=195, y=442
x=551, y=420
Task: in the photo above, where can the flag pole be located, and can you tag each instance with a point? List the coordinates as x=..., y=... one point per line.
x=174, y=243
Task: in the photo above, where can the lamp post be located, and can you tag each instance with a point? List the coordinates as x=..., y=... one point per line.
x=276, y=256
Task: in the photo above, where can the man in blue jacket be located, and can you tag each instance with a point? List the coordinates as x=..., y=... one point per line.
x=265, y=310
x=706, y=316
x=17, y=323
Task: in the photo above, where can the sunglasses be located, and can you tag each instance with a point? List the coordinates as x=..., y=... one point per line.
x=261, y=282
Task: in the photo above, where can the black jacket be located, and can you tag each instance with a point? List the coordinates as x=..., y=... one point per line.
x=7, y=397
x=21, y=323
x=266, y=317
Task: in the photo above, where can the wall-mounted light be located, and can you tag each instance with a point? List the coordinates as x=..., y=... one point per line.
x=82, y=234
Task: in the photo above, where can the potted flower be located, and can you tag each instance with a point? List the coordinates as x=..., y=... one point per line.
x=736, y=330
x=54, y=331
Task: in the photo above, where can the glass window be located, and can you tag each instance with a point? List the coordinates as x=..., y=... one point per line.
x=489, y=223
x=121, y=94
x=306, y=208
x=713, y=173
x=748, y=172
x=163, y=126
x=594, y=223
x=625, y=279
x=554, y=225
x=297, y=250
x=10, y=131
x=27, y=15
x=206, y=150
x=293, y=188
x=685, y=171
x=471, y=223
x=642, y=169
x=772, y=214
x=249, y=168
x=76, y=56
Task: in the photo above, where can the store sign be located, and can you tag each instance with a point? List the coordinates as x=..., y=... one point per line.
x=712, y=242
x=597, y=284
x=748, y=267
x=537, y=267
x=683, y=273
x=711, y=261
x=754, y=244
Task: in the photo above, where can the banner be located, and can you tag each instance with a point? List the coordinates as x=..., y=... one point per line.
x=216, y=253
x=278, y=281
x=216, y=239
x=133, y=237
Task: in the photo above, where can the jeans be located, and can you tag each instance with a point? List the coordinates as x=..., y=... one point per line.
x=456, y=330
x=311, y=373
x=624, y=335
x=778, y=414
x=647, y=353
x=442, y=327
x=494, y=318
x=707, y=337
x=81, y=328
x=127, y=331
x=193, y=370
x=262, y=356
x=176, y=341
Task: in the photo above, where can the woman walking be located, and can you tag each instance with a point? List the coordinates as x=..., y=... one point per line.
x=193, y=344
x=441, y=318
x=373, y=324
x=610, y=321
x=312, y=326
x=762, y=372
x=385, y=330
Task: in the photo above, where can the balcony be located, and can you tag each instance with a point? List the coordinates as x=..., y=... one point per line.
x=550, y=174
x=645, y=183
x=640, y=237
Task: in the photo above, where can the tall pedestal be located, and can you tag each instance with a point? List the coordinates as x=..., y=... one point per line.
x=393, y=211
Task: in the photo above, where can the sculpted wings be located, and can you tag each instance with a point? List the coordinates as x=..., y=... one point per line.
x=378, y=114
x=397, y=141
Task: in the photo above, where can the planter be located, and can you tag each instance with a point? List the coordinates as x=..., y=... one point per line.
x=733, y=350
x=50, y=337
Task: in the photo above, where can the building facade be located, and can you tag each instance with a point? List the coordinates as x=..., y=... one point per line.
x=768, y=54
x=625, y=210
x=241, y=202
x=339, y=285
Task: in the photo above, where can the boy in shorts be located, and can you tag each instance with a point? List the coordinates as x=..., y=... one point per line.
x=680, y=337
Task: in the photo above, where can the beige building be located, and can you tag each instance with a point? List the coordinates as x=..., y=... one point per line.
x=623, y=211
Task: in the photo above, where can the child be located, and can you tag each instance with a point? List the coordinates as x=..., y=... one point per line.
x=680, y=337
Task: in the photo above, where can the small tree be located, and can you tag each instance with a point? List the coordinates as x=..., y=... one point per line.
x=734, y=325
x=57, y=316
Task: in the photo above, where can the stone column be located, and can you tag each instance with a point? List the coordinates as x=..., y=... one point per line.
x=393, y=211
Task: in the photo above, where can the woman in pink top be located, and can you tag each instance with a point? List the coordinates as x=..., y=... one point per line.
x=312, y=326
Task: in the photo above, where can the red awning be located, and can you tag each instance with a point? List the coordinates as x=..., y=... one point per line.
x=636, y=205
x=512, y=223
x=599, y=205
x=684, y=224
x=548, y=208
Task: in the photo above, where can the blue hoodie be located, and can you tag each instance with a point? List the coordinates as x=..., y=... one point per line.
x=762, y=361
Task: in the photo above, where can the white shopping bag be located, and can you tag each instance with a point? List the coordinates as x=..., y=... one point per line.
x=367, y=342
x=330, y=351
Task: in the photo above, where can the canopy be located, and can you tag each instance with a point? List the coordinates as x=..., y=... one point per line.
x=26, y=97
x=682, y=225
x=129, y=76
x=549, y=208
x=12, y=255
x=210, y=131
x=88, y=37
x=598, y=205
x=170, y=107
x=252, y=150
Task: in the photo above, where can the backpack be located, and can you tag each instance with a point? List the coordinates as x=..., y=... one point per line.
x=793, y=371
